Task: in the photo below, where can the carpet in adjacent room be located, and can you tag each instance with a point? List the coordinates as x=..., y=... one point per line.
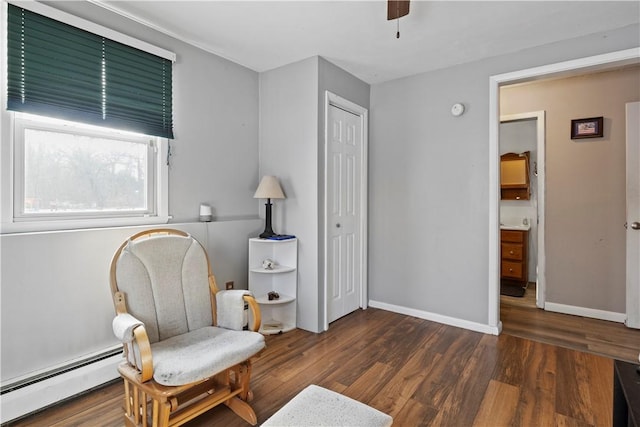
x=512, y=290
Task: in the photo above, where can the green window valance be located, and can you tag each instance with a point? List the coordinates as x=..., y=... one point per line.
x=57, y=70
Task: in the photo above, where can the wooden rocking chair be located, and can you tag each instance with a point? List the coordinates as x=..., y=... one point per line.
x=183, y=341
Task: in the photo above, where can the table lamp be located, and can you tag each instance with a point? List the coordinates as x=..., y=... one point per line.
x=269, y=188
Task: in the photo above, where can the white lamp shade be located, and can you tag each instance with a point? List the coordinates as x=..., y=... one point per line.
x=269, y=188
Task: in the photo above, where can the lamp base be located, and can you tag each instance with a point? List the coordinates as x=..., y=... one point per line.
x=268, y=231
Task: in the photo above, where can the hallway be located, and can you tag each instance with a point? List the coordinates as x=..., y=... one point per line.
x=521, y=318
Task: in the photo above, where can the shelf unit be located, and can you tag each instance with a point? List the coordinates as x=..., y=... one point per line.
x=278, y=315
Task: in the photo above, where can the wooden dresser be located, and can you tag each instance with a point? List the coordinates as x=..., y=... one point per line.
x=513, y=255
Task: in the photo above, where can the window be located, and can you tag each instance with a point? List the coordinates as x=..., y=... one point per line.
x=69, y=175
x=66, y=170
x=58, y=70
x=86, y=126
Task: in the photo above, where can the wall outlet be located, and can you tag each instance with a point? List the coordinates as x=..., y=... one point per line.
x=229, y=285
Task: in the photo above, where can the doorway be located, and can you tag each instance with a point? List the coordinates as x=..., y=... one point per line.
x=519, y=133
x=564, y=69
x=345, y=216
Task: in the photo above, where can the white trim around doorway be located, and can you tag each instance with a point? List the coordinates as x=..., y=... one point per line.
x=561, y=69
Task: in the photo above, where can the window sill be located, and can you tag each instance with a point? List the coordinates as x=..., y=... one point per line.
x=65, y=225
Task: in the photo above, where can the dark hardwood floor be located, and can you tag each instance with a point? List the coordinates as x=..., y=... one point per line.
x=422, y=373
x=520, y=317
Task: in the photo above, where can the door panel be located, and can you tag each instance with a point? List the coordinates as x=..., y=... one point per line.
x=336, y=292
x=343, y=225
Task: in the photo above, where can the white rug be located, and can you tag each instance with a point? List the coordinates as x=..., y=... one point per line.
x=317, y=406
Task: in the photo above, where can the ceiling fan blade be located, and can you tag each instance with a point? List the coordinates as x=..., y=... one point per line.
x=397, y=9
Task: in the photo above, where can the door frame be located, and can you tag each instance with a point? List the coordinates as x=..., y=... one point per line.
x=539, y=116
x=331, y=99
x=632, y=109
x=561, y=69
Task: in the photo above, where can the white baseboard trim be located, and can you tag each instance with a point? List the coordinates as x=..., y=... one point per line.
x=585, y=312
x=439, y=318
x=39, y=395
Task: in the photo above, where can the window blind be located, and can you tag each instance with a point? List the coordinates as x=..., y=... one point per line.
x=57, y=70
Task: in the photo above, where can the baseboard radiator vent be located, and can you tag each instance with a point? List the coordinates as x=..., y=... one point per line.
x=32, y=393
x=59, y=370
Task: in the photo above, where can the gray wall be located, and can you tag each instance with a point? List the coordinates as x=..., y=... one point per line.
x=288, y=150
x=55, y=287
x=428, y=194
x=292, y=148
x=585, y=186
x=56, y=300
x=215, y=112
x=333, y=79
x=429, y=179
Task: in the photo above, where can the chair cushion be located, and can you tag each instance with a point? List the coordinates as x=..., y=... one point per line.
x=166, y=283
x=200, y=354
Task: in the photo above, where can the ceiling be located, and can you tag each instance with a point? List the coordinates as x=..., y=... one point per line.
x=356, y=36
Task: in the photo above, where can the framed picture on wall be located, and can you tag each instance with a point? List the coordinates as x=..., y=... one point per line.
x=587, y=128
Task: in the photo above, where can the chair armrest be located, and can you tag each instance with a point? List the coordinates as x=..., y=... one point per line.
x=255, y=311
x=131, y=332
x=144, y=346
x=124, y=325
x=231, y=311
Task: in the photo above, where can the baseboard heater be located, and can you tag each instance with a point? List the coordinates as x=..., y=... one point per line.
x=71, y=366
x=32, y=393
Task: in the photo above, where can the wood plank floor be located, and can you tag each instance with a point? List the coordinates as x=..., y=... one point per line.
x=520, y=317
x=422, y=373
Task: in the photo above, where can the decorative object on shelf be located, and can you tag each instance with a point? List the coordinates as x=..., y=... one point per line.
x=272, y=325
x=587, y=128
x=281, y=237
x=268, y=264
x=273, y=295
x=206, y=214
x=269, y=188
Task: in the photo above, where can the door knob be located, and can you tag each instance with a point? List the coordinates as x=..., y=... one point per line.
x=635, y=225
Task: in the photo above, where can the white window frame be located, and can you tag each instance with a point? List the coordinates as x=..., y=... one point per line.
x=8, y=223
x=13, y=221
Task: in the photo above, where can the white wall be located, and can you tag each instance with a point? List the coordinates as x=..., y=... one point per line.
x=429, y=180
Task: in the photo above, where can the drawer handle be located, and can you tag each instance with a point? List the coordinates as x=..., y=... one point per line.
x=510, y=252
x=511, y=270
